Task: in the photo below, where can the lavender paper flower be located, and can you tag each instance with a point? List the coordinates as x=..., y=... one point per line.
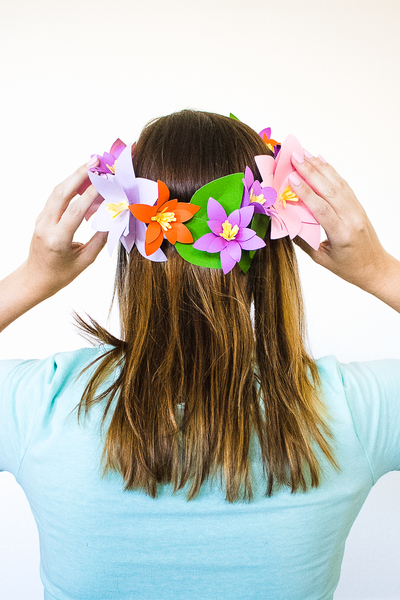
x=113, y=215
x=230, y=234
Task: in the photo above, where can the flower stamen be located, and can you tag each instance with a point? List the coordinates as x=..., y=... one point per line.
x=111, y=168
x=164, y=219
x=228, y=232
x=287, y=196
x=253, y=198
x=117, y=209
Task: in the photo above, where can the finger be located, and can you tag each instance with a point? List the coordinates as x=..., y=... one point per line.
x=325, y=181
x=319, y=207
x=92, y=248
x=75, y=212
x=63, y=193
x=305, y=247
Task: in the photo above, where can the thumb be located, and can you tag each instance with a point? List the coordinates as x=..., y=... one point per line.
x=93, y=247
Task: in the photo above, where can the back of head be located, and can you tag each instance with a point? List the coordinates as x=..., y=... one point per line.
x=208, y=359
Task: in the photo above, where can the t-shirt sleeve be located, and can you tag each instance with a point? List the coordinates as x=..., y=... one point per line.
x=22, y=387
x=373, y=394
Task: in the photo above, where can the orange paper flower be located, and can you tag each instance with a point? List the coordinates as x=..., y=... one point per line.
x=166, y=218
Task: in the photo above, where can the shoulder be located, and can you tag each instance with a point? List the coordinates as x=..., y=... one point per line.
x=370, y=391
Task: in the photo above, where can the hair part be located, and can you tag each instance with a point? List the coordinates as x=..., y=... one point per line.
x=196, y=378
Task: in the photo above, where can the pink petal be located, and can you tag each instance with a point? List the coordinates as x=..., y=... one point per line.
x=215, y=226
x=227, y=262
x=311, y=234
x=284, y=164
x=234, y=250
x=304, y=213
x=266, y=166
x=204, y=242
x=290, y=219
x=216, y=211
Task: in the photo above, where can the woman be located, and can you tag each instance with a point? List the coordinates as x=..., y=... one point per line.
x=200, y=399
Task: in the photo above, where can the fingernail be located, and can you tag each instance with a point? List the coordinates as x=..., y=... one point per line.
x=297, y=157
x=294, y=179
x=92, y=162
x=321, y=158
x=307, y=154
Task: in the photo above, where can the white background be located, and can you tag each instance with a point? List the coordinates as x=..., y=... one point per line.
x=75, y=75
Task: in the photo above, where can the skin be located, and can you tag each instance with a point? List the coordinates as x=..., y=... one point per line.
x=352, y=249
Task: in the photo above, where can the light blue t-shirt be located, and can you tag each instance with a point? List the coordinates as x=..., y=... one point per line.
x=98, y=542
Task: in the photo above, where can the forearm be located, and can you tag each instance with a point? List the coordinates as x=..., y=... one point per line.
x=389, y=289
x=18, y=294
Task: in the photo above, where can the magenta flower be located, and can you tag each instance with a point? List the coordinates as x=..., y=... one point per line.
x=107, y=160
x=230, y=234
x=292, y=216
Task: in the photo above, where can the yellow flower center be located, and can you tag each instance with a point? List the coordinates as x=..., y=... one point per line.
x=116, y=209
x=228, y=232
x=112, y=168
x=253, y=198
x=287, y=196
x=164, y=219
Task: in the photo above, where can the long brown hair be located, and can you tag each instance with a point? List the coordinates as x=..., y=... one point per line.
x=195, y=373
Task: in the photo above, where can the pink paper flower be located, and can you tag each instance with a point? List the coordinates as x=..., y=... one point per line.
x=293, y=217
x=229, y=234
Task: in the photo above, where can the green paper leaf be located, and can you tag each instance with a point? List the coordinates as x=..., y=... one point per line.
x=229, y=193
x=231, y=116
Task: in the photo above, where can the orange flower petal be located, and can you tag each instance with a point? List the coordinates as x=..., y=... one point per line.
x=163, y=193
x=172, y=234
x=183, y=233
x=185, y=211
x=150, y=248
x=143, y=212
x=168, y=206
x=152, y=232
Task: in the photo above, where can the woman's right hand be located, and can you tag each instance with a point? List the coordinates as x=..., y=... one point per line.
x=352, y=249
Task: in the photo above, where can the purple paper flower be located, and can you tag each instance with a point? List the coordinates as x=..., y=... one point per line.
x=230, y=234
x=261, y=198
x=106, y=164
x=113, y=215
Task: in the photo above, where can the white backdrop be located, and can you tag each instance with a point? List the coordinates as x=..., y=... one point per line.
x=77, y=74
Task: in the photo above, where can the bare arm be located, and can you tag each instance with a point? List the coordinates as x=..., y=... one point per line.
x=352, y=249
x=54, y=258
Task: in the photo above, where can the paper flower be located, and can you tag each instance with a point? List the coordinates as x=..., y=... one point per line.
x=229, y=234
x=106, y=164
x=119, y=192
x=293, y=217
x=273, y=145
x=165, y=219
x=261, y=198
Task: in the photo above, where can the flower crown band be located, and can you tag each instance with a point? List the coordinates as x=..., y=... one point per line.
x=225, y=221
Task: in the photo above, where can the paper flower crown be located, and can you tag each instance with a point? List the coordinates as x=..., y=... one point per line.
x=223, y=224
